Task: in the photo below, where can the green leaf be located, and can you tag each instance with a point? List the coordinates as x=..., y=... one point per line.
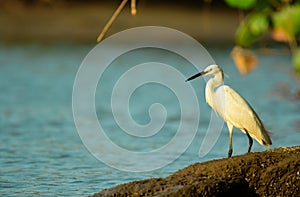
x=296, y=60
x=295, y=17
x=244, y=36
x=242, y=4
x=258, y=23
x=288, y=19
x=251, y=28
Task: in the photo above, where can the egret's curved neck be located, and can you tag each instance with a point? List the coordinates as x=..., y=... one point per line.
x=216, y=81
x=211, y=85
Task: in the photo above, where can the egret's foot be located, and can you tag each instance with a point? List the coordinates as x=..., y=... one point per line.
x=229, y=153
x=249, y=149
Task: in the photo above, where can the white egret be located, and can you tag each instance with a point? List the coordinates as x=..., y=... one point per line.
x=233, y=108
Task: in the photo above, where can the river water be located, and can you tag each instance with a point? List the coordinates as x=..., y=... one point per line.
x=42, y=153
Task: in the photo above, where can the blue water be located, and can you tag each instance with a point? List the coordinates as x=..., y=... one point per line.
x=42, y=153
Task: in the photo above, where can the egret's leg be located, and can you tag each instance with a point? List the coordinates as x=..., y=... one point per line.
x=250, y=142
x=230, y=128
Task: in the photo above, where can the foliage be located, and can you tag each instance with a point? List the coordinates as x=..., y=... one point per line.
x=280, y=17
x=251, y=28
x=245, y=4
x=296, y=60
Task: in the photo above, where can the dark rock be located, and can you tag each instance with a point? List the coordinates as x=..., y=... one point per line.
x=270, y=173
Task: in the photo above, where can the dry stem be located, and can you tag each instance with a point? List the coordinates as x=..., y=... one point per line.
x=111, y=20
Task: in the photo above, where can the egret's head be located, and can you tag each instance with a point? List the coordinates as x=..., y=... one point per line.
x=210, y=70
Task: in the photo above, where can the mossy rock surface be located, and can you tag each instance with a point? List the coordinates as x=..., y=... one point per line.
x=274, y=172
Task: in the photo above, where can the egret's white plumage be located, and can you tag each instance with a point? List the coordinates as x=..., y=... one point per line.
x=233, y=108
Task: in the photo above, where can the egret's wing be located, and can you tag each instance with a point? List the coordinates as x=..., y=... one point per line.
x=237, y=111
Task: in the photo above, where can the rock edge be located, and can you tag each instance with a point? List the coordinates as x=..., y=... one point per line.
x=273, y=172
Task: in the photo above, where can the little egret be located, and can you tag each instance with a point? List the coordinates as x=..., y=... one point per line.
x=233, y=108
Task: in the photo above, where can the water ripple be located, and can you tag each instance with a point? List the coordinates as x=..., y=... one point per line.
x=42, y=154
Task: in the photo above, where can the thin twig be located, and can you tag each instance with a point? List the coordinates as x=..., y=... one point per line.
x=241, y=15
x=293, y=45
x=133, y=7
x=111, y=20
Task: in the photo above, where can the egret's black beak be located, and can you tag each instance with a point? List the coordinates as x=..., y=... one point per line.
x=196, y=75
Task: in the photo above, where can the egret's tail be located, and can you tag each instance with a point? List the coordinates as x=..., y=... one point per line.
x=266, y=140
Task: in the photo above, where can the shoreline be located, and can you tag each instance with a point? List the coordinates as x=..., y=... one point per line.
x=274, y=172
